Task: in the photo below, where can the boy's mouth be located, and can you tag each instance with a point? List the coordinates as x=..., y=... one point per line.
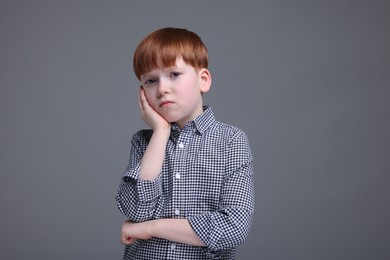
x=165, y=103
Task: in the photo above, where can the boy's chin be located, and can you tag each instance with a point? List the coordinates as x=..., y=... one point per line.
x=168, y=118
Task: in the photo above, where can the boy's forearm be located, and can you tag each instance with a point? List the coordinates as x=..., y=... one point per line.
x=153, y=157
x=178, y=230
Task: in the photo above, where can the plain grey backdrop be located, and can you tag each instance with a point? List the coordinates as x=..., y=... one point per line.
x=309, y=81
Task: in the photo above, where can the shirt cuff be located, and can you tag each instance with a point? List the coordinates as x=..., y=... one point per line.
x=147, y=190
x=205, y=228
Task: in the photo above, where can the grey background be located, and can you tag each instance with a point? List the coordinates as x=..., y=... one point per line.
x=307, y=80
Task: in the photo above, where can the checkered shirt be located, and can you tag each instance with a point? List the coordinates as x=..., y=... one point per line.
x=206, y=177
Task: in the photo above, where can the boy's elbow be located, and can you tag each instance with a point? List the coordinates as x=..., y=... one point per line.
x=137, y=211
x=233, y=233
x=242, y=228
x=131, y=213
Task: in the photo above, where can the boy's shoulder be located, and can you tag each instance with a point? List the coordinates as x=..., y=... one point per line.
x=224, y=127
x=226, y=131
x=142, y=136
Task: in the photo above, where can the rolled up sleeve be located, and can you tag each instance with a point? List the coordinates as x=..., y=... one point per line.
x=138, y=199
x=229, y=226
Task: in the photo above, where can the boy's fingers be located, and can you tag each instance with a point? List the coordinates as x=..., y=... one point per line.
x=127, y=240
x=139, y=98
x=143, y=98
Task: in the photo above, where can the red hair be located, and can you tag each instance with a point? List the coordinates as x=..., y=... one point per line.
x=162, y=47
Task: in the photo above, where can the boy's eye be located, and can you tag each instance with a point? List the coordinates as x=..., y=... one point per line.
x=149, y=82
x=174, y=74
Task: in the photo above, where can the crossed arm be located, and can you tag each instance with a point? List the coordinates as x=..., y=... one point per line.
x=178, y=230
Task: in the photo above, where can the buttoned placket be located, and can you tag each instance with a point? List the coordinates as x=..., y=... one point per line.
x=179, y=155
x=180, y=159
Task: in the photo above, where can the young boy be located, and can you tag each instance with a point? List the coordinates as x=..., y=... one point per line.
x=188, y=190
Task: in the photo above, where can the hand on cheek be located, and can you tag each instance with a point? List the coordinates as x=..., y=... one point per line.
x=149, y=115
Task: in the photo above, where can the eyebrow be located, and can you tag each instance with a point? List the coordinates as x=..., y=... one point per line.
x=150, y=74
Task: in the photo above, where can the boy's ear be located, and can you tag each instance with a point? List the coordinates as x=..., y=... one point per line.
x=205, y=80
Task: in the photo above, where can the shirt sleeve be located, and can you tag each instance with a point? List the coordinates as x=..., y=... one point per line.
x=138, y=199
x=229, y=226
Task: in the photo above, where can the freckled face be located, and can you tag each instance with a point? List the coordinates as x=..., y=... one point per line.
x=176, y=92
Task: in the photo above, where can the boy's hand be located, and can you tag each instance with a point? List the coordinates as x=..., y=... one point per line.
x=149, y=115
x=132, y=231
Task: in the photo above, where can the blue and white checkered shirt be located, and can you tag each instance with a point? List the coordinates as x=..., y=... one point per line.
x=207, y=177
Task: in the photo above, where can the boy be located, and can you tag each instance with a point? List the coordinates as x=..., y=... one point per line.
x=188, y=190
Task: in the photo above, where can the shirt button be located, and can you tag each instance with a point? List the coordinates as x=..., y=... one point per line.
x=173, y=246
x=177, y=176
x=177, y=212
x=181, y=145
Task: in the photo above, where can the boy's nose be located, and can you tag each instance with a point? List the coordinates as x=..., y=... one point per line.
x=163, y=88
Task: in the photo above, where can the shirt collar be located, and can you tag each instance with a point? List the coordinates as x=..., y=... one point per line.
x=200, y=123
